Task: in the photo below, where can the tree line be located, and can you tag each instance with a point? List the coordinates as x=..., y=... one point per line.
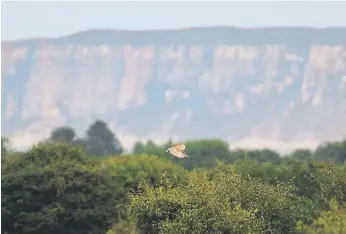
x=100, y=140
x=60, y=185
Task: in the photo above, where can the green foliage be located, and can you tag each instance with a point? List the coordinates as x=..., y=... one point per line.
x=64, y=186
x=138, y=148
x=332, y=221
x=302, y=154
x=62, y=135
x=4, y=147
x=332, y=151
x=264, y=155
x=122, y=227
x=316, y=180
x=331, y=179
x=299, y=173
x=101, y=140
x=149, y=148
x=204, y=153
x=53, y=189
x=221, y=202
x=127, y=171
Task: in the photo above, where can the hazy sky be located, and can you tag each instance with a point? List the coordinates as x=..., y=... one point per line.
x=54, y=19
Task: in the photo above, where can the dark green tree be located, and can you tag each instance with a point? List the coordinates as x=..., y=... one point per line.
x=54, y=189
x=302, y=154
x=101, y=141
x=63, y=134
x=81, y=142
x=335, y=151
x=153, y=149
x=149, y=148
x=4, y=146
x=264, y=155
x=139, y=148
x=204, y=153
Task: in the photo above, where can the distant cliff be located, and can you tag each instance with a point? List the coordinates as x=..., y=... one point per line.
x=277, y=87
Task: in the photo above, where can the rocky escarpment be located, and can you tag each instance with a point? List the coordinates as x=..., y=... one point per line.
x=280, y=87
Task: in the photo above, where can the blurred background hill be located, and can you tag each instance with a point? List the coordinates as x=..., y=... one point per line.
x=265, y=87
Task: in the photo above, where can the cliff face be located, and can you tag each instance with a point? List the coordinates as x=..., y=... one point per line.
x=280, y=88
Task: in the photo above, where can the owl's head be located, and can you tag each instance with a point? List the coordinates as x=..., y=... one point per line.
x=182, y=146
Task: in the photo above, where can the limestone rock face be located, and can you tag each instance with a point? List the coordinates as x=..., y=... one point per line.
x=277, y=87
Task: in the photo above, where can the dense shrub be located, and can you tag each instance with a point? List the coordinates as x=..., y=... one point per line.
x=52, y=189
x=221, y=202
x=127, y=171
x=331, y=179
x=122, y=227
x=332, y=221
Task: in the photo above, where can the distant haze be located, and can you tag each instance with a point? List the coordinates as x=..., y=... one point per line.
x=21, y=20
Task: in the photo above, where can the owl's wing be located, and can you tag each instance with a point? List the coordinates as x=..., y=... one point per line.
x=177, y=153
x=185, y=154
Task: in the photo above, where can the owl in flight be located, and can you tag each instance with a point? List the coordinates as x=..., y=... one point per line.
x=178, y=151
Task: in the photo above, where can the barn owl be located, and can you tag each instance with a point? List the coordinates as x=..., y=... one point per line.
x=178, y=151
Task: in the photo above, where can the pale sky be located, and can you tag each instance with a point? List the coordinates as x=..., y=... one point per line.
x=21, y=20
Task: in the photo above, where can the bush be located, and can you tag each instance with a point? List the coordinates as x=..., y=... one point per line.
x=127, y=171
x=122, y=227
x=222, y=203
x=331, y=179
x=332, y=221
x=53, y=189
